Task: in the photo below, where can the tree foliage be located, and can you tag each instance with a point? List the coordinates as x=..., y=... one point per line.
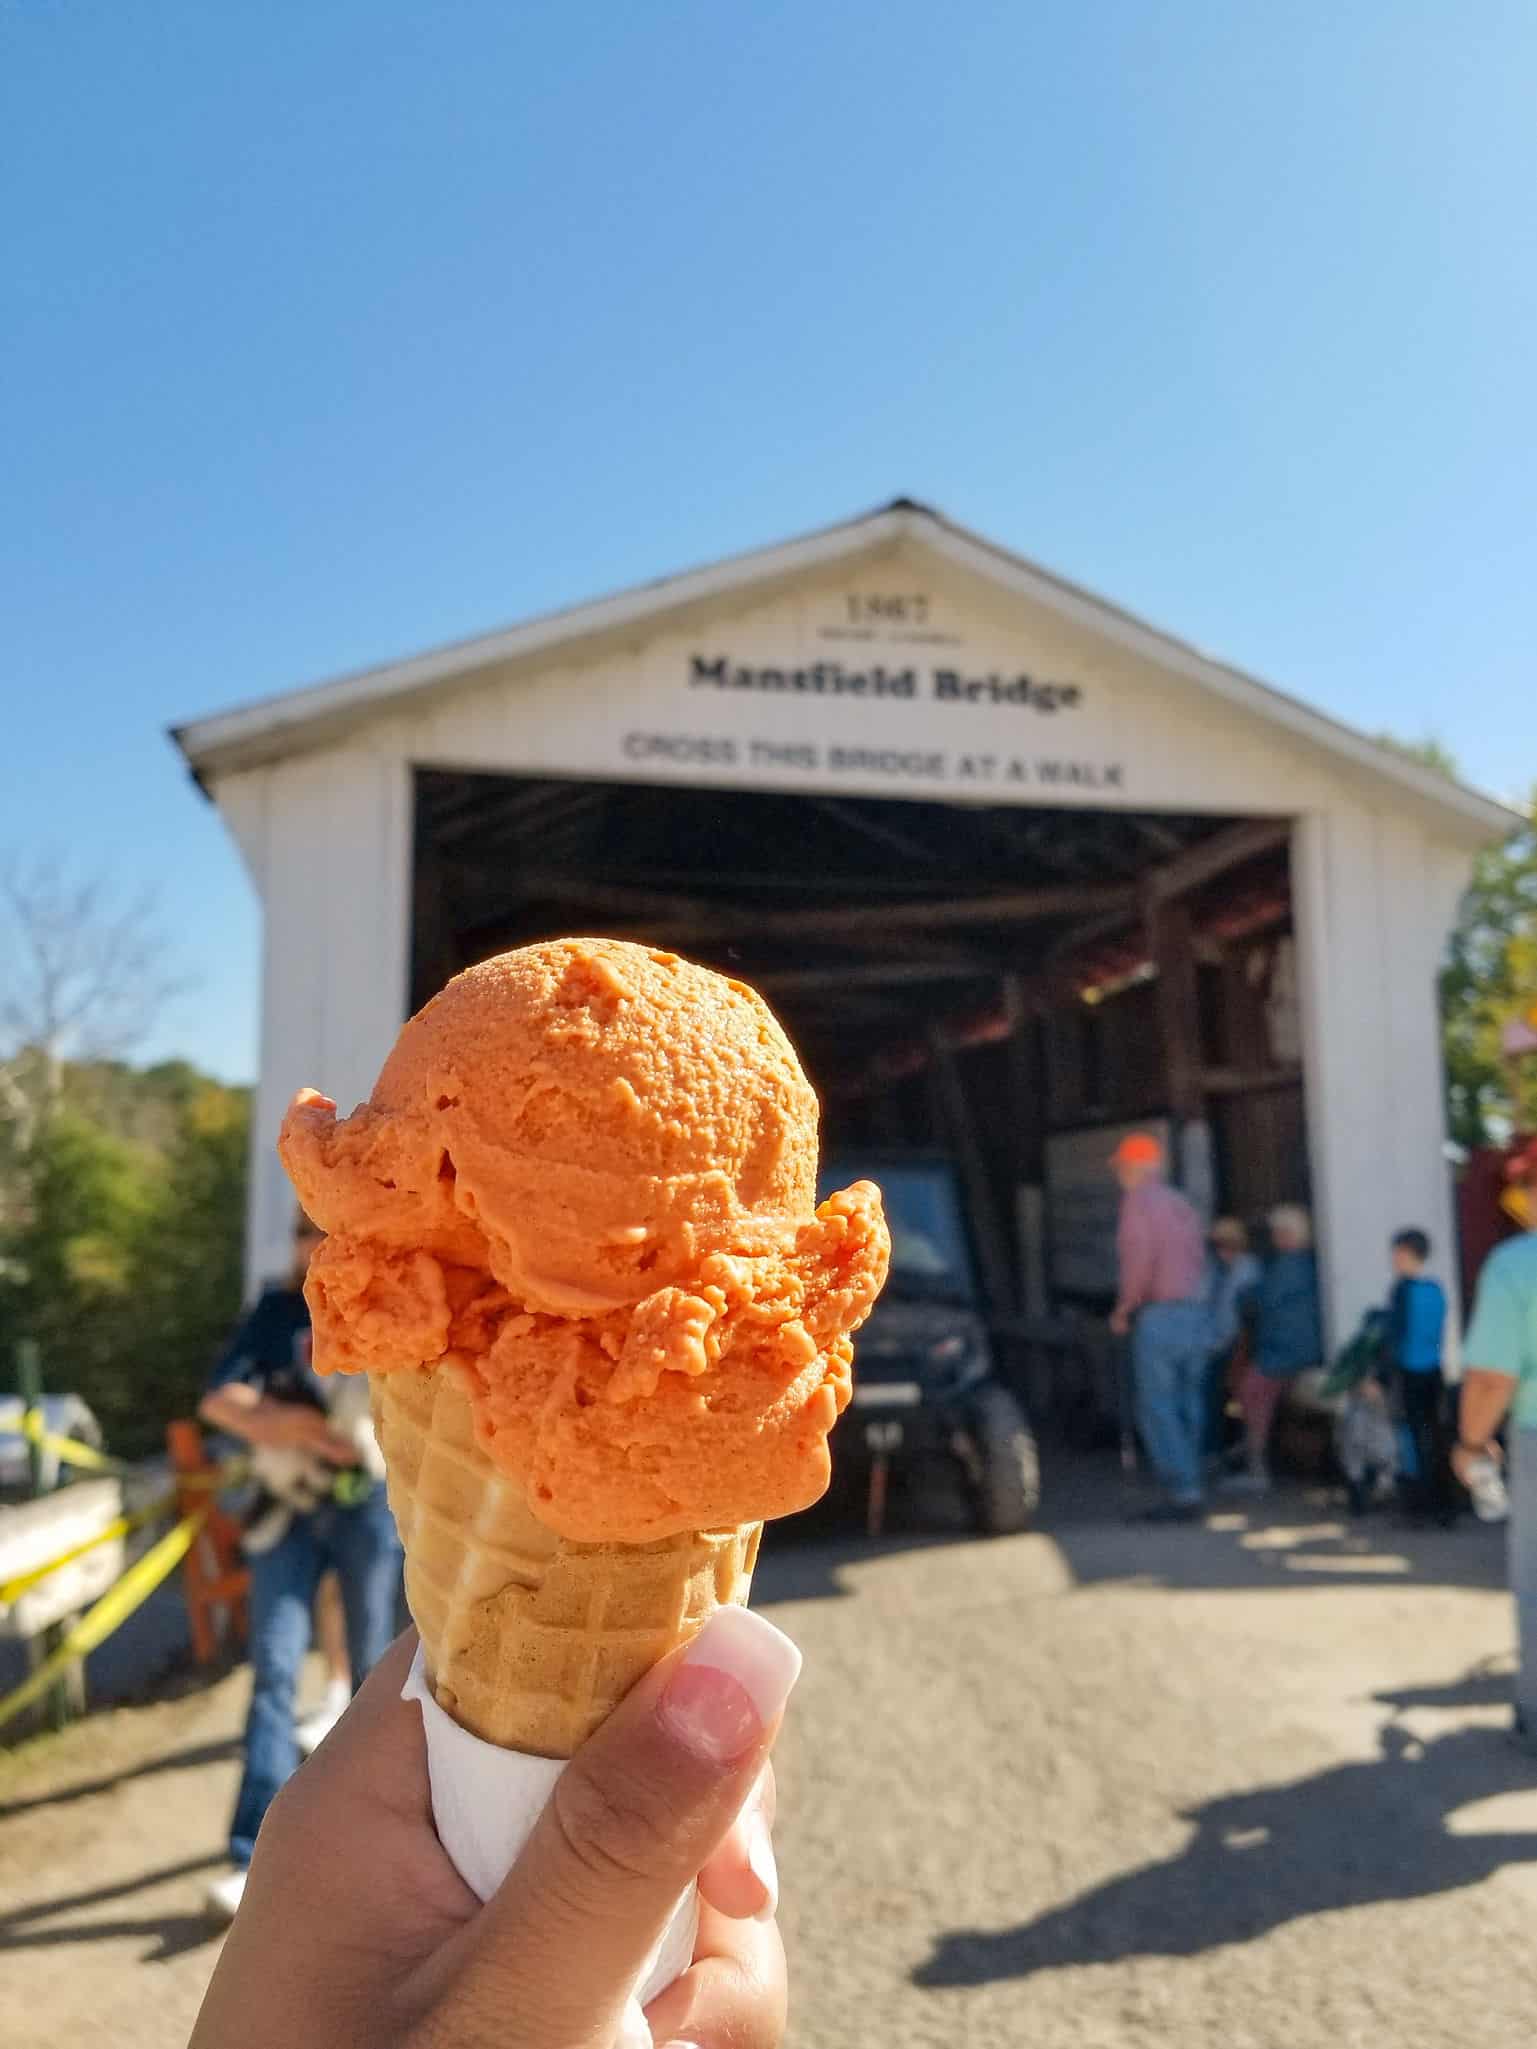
x=1490, y=979
x=1430, y=751
x=121, y=1189
x=120, y=1253
x=190, y=1251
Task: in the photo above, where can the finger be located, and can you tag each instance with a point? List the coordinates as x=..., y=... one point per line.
x=632, y=1820
x=742, y=1878
x=733, y=1995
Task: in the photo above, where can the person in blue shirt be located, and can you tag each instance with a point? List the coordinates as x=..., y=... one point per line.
x=322, y=1508
x=1416, y=1328
x=1287, y=1339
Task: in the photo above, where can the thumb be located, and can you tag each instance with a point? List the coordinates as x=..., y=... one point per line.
x=631, y=1822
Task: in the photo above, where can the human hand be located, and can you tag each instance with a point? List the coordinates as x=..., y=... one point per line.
x=1120, y=1322
x=294, y=1426
x=356, y=1929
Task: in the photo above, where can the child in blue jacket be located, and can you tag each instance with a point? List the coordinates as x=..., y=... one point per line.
x=1416, y=1329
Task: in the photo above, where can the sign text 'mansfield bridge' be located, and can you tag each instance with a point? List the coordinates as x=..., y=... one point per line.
x=832, y=679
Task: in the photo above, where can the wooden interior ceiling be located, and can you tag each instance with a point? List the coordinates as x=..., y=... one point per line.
x=866, y=921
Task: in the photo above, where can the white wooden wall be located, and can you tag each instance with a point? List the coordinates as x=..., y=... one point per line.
x=1374, y=900
x=328, y=840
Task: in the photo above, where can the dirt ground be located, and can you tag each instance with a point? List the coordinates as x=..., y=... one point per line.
x=1242, y=1785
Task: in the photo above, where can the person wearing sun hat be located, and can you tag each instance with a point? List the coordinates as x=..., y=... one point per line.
x=1500, y=1380
x=1160, y=1307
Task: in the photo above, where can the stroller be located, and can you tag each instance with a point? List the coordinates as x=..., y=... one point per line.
x=1366, y=1429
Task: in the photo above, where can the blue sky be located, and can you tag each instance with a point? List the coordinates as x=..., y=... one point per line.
x=335, y=329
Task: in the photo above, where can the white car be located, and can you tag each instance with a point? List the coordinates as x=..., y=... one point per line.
x=64, y=1415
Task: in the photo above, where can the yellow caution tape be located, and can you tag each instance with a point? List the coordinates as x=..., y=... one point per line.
x=233, y=1469
x=114, y=1607
x=73, y=1453
x=34, y=1425
x=13, y=1589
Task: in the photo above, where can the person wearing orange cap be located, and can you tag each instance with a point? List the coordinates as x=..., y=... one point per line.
x=1161, y=1253
x=1500, y=1380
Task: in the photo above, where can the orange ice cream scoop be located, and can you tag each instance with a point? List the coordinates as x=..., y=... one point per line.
x=584, y=1185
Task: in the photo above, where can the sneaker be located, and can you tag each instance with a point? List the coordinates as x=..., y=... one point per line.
x=1171, y=1512
x=315, y=1728
x=224, y=1895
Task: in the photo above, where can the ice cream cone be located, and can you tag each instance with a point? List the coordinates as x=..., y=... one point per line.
x=530, y=1640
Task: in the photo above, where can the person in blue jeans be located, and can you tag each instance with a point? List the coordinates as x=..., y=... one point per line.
x=1161, y=1261
x=1416, y=1328
x=1499, y=1382
x=322, y=1508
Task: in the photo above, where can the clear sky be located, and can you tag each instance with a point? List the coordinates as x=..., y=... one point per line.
x=336, y=328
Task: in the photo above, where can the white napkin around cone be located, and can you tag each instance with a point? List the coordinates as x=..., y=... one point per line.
x=485, y=1801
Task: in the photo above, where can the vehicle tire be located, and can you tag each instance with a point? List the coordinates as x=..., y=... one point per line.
x=1008, y=1484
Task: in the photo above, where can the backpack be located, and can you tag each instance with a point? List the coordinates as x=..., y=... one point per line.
x=1360, y=1358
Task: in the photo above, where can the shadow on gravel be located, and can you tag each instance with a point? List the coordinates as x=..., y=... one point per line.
x=1347, y=1837
x=1294, y=1544
x=812, y=1569
x=1299, y=1536
x=168, y=1935
x=1490, y=1683
x=189, y=1759
x=803, y=1556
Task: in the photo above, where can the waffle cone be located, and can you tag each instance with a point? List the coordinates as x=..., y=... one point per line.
x=530, y=1640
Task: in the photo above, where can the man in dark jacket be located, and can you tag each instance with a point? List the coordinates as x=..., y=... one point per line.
x=325, y=1509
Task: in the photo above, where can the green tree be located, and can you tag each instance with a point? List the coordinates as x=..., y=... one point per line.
x=124, y=1260
x=121, y=1189
x=68, y=1254
x=1432, y=752
x=188, y=1261
x=1490, y=979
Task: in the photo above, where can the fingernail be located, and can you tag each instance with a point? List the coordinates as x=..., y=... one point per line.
x=762, y=1864
x=730, y=1684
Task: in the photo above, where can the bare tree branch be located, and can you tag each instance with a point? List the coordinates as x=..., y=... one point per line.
x=84, y=972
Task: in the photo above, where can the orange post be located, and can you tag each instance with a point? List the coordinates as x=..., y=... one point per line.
x=215, y=1583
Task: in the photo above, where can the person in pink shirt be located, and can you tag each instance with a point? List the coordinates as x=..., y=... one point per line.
x=1160, y=1305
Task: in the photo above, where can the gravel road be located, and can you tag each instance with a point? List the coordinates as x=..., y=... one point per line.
x=1241, y=1786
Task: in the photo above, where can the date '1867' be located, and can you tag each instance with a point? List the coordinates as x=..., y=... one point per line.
x=889, y=608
